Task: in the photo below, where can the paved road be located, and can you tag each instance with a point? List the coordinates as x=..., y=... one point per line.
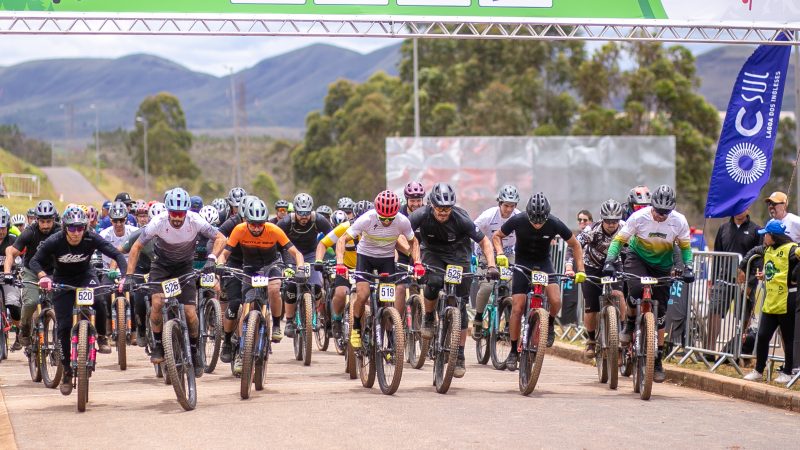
x=73, y=186
x=319, y=406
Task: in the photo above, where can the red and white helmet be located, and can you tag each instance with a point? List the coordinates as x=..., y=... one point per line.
x=387, y=204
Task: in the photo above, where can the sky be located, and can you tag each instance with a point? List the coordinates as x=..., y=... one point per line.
x=215, y=55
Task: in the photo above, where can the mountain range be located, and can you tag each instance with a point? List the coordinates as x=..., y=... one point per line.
x=51, y=98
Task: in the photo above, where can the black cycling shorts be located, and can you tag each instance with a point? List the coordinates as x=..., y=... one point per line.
x=660, y=292
x=593, y=290
x=371, y=264
x=521, y=284
x=160, y=273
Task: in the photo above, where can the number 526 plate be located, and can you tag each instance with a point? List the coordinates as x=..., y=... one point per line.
x=171, y=287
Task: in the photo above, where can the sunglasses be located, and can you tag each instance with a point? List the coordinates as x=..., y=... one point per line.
x=662, y=212
x=76, y=228
x=443, y=209
x=638, y=207
x=118, y=220
x=610, y=221
x=772, y=204
x=386, y=219
x=256, y=225
x=177, y=214
x=583, y=219
x=282, y=210
x=303, y=214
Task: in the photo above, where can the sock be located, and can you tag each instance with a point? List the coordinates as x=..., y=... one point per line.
x=429, y=317
x=228, y=336
x=157, y=337
x=461, y=352
x=193, y=343
x=356, y=323
x=551, y=321
x=660, y=354
x=276, y=322
x=514, y=346
x=336, y=317
x=478, y=317
x=592, y=335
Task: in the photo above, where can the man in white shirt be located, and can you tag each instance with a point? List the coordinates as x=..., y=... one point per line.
x=778, y=209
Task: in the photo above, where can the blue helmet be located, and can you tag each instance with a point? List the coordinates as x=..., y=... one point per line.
x=177, y=200
x=196, y=202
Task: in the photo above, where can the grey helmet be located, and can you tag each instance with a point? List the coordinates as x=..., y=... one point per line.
x=538, y=208
x=235, y=196
x=325, y=210
x=118, y=210
x=361, y=207
x=282, y=204
x=223, y=208
x=663, y=198
x=639, y=195
x=255, y=211
x=611, y=210
x=346, y=204
x=442, y=195
x=45, y=209
x=508, y=193
x=5, y=218
x=245, y=202
x=74, y=216
x=303, y=203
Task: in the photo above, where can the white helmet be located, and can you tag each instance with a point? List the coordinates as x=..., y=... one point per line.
x=211, y=214
x=157, y=209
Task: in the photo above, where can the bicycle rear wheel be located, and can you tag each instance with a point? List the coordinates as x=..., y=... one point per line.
x=365, y=358
x=532, y=356
x=482, y=352
x=416, y=346
x=307, y=328
x=210, y=334
x=323, y=324
x=50, y=364
x=83, y=369
x=253, y=323
x=176, y=358
x=645, y=364
x=500, y=336
x=3, y=333
x=350, y=354
x=611, y=352
x=390, y=353
x=600, y=353
x=122, y=333
x=34, y=350
x=447, y=354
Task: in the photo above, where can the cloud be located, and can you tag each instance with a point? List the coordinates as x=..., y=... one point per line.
x=209, y=54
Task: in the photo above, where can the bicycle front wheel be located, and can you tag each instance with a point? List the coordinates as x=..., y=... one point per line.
x=416, y=346
x=307, y=327
x=83, y=369
x=500, y=336
x=50, y=364
x=262, y=354
x=365, y=358
x=323, y=324
x=447, y=354
x=645, y=363
x=34, y=351
x=389, y=354
x=611, y=352
x=482, y=343
x=210, y=334
x=350, y=354
x=176, y=358
x=532, y=356
x=122, y=333
x=253, y=322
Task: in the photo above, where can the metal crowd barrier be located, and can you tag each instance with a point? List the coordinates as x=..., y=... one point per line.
x=570, y=330
x=20, y=185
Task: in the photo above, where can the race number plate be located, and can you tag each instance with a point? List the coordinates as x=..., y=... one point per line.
x=171, y=287
x=453, y=274
x=386, y=292
x=84, y=296
x=505, y=273
x=539, y=277
x=259, y=281
x=207, y=280
x=648, y=280
x=146, y=277
x=306, y=268
x=608, y=280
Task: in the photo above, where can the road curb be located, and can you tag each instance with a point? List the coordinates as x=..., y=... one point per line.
x=708, y=382
x=7, y=440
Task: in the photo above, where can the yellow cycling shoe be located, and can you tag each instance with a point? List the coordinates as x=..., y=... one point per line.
x=355, y=338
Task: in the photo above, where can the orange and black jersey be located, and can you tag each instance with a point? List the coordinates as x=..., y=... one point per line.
x=258, y=251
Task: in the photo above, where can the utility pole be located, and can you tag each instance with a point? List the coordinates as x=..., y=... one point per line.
x=143, y=121
x=96, y=144
x=238, y=181
x=416, y=91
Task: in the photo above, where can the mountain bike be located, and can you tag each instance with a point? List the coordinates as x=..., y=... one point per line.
x=323, y=329
x=416, y=346
x=210, y=322
x=533, y=337
x=495, y=339
x=606, y=353
x=443, y=351
x=347, y=325
x=44, y=351
x=178, y=364
x=639, y=356
x=305, y=317
x=147, y=290
x=120, y=324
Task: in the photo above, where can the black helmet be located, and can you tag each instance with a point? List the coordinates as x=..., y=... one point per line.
x=45, y=209
x=360, y=208
x=611, y=210
x=663, y=198
x=538, y=208
x=442, y=195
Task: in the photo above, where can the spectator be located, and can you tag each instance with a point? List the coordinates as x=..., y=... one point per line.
x=780, y=259
x=584, y=220
x=739, y=235
x=778, y=209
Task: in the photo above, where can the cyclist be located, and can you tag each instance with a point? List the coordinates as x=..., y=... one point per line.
x=377, y=231
x=414, y=194
x=223, y=209
x=650, y=234
x=29, y=241
x=595, y=240
x=175, y=234
x=341, y=284
x=18, y=220
x=125, y=198
x=235, y=196
x=259, y=243
x=446, y=232
x=11, y=297
x=534, y=230
x=31, y=216
x=488, y=222
x=195, y=203
x=302, y=227
x=281, y=211
x=141, y=211
x=638, y=198
x=12, y=230
x=232, y=286
x=325, y=211
x=346, y=204
x=70, y=251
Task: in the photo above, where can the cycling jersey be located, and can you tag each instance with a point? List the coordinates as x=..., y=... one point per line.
x=4, y=244
x=304, y=237
x=72, y=262
x=235, y=258
x=376, y=240
x=332, y=238
x=490, y=221
x=176, y=245
x=258, y=251
x=595, y=242
x=449, y=239
x=105, y=222
x=31, y=239
x=533, y=246
x=653, y=241
x=109, y=235
x=145, y=255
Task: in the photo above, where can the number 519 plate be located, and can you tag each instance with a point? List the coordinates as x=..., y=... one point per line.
x=386, y=292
